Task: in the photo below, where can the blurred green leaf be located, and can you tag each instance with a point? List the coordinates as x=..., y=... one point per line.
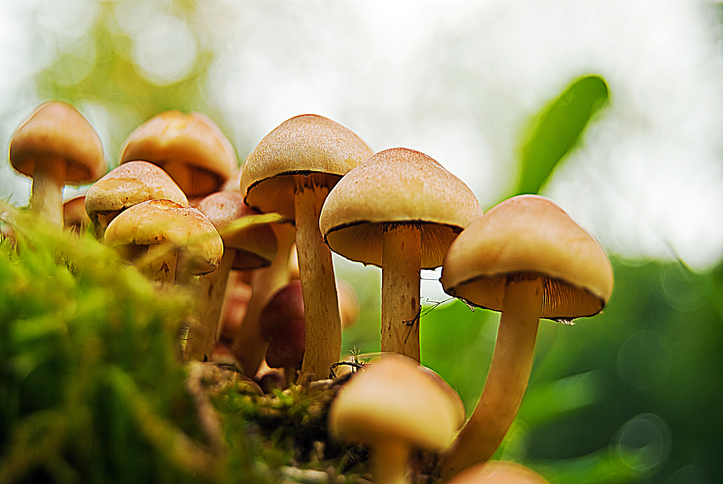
x=557, y=130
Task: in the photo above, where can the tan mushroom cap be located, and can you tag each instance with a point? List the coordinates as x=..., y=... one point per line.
x=497, y=472
x=56, y=130
x=256, y=244
x=189, y=146
x=393, y=400
x=307, y=145
x=397, y=185
x=163, y=221
x=130, y=184
x=529, y=234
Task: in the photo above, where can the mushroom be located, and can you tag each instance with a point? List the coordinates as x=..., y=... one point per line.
x=189, y=146
x=244, y=336
x=395, y=408
x=75, y=218
x=126, y=185
x=283, y=328
x=161, y=235
x=56, y=146
x=290, y=172
x=400, y=211
x=498, y=472
x=246, y=247
x=528, y=259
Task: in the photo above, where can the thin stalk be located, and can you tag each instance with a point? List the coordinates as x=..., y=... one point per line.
x=47, y=191
x=389, y=462
x=211, y=289
x=401, y=263
x=506, y=381
x=318, y=284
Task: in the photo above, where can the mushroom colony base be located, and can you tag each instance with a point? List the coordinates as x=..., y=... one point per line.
x=94, y=389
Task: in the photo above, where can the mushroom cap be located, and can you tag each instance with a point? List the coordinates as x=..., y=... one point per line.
x=75, y=217
x=178, y=141
x=497, y=472
x=307, y=145
x=256, y=244
x=396, y=186
x=56, y=130
x=163, y=221
x=130, y=184
x=393, y=400
x=529, y=234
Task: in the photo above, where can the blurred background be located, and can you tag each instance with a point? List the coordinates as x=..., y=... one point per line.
x=614, y=109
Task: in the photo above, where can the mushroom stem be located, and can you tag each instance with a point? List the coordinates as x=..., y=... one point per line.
x=507, y=379
x=248, y=345
x=159, y=264
x=389, y=462
x=401, y=262
x=47, y=190
x=211, y=289
x=316, y=271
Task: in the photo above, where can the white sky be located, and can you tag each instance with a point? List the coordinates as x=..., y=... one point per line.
x=458, y=80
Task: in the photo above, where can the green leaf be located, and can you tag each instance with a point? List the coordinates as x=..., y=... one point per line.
x=557, y=130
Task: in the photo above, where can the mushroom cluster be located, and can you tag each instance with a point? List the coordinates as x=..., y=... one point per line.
x=254, y=243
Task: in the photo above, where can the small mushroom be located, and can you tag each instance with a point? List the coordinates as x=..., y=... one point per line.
x=75, y=218
x=56, y=146
x=400, y=211
x=498, y=472
x=290, y=172
x=160, y=235
x=529, y=260
x=283, y=328
x=395, y=408
x=126, y=185
x=190, y=147
x=247, y=247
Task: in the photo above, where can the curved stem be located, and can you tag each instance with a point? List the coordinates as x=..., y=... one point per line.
x=401, y=262
x=47, y=190
x=389, y=462
x=506, y=381
x=318, y=284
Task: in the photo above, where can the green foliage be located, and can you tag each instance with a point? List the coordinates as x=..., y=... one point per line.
x=557, y=129
x=91, y=389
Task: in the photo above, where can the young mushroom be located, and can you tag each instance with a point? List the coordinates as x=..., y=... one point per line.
x=529, y=260
x=161, y=236
x=190, y=147
x=75, y=218
x=246, y=247
x=126, y=185
x=284, y=330
x=395, y=408
x=498, y=472
x=400, y=211
x=290, y=172
x=56, y=146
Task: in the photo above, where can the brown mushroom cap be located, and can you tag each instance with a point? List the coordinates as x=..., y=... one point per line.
x=56, y=130
x=306, y=145
x=75, y=217
x=162, y=221
x=529, y=234
x=393, y=400
x=255, y=244
x=190, y=147
x=130, y=184
x=396, y=186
